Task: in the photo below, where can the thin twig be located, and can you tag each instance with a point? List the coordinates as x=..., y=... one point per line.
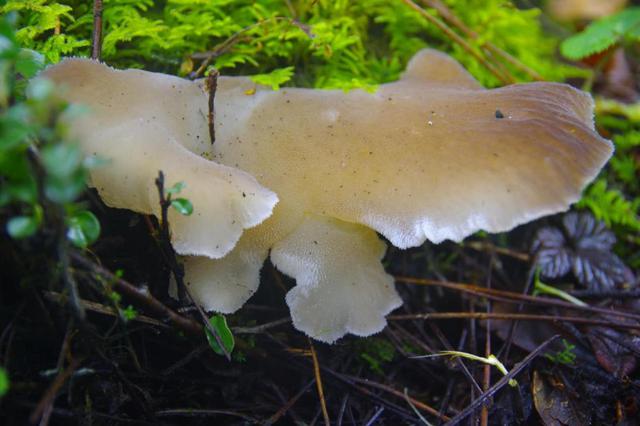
x=353, y=382
x=505, y=79
x=316, y=372
x=415, y=410
x=501, y=383
x=96, y=39
x=343, y=407
x=50, y=395
x=375, y=417
x=193, y=412
x=389, y=389
x=508, y=316
x=260, y=328
x=486, y=377
x=60, y=298
x=139, y=295
x=212, y=87
x=488, y=247
x=530, y=281
x=515, y=297
x=450, y=17
x=283, y=410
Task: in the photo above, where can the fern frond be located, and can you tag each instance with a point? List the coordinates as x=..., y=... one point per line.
x=610, y=205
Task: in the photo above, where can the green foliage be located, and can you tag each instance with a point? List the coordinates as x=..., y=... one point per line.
x=623, y=27
x=41, y=27
x=176, y=188
x=83, y=229
x=375, y=352
x=611, y=206
x=4, y=382
x=565, y=356
x=219, y=324
x=181, y=205
x=334, y=44
x=275, y=78
x=40, y=172
x=129, y=313
x=20, y=227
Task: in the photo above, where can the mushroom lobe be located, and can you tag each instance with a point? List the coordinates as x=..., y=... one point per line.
x=144, y=122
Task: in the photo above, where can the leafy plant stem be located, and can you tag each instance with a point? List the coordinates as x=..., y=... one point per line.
x=490, y=360
x=177, y=269
x=542, y=288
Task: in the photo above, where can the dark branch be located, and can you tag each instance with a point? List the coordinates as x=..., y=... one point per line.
x=212, y=86
x=96, y=40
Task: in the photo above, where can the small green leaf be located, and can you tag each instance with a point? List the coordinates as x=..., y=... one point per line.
x=602, y=34
x=4, y=382
x=61, y=160
x=129, y=313
x=219, y=323
x=84, y=229
x=115, y=297
x=64, y=190
x=175, y=189
x=14, y=127
x=25, y=191
x=22, y=226
x=183, y=206
x=29, y=62
x=275, y=78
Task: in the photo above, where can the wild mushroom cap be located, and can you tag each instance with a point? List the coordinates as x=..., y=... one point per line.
x=146, y=122
x=431, y=156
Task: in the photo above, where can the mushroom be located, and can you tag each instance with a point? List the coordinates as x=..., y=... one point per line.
x=143, y=122
x=431, y=156
x=575, y=10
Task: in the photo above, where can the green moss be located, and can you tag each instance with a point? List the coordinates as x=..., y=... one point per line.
x=338, y=44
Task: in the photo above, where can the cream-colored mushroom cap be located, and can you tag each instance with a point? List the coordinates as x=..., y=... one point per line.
x=144, y=122
x=432, y=156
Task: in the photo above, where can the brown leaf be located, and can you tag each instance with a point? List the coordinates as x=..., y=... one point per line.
x=555, y=404
x=616, y=352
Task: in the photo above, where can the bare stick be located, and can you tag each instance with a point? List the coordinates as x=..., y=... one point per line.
x=212, y=86
x=316, y=372
x=96, y=39
x=511, y=297
x=452, y=19
x=505, y=79
x=507, y=316
x=141, y=296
